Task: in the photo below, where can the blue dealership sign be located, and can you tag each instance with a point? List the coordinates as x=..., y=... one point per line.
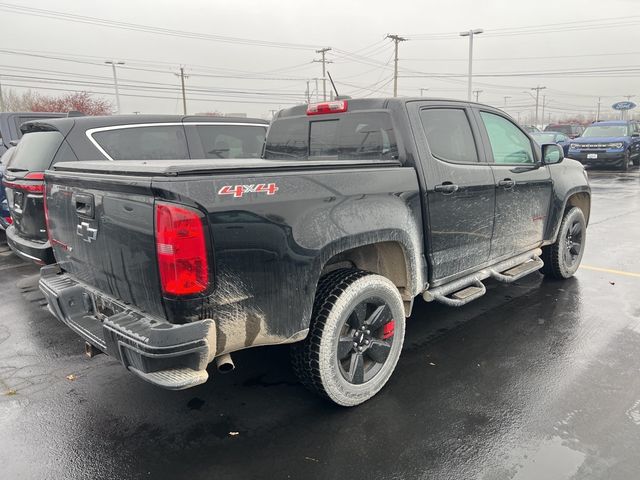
x=623, y=106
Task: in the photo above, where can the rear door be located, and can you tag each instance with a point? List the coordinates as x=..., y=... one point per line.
x=522, y=184
x=459, y=190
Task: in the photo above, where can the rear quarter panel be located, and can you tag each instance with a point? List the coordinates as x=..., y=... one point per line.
x=269, y=250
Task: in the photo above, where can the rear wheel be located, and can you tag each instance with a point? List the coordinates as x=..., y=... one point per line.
x=562, y=259
x=636, y=161
x=355, y=337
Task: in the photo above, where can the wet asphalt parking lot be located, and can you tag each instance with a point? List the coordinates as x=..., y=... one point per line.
x=537, y=380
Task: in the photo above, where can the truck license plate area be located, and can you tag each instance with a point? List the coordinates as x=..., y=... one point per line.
x=592, y=155
x=104, y=308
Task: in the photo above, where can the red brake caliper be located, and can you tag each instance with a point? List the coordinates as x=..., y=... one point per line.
x=388, y=329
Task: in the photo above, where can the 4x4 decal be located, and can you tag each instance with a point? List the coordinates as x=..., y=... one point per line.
x=239, y=190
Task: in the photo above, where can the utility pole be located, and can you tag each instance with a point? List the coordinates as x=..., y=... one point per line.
x=184, y=96
x=308, y=94
x=544, y=102
x=113, y=64
x=396, y=39
x=317, y=92
x=324, y=61
x=470, y=34
x=537, y=89
x=422, y=90
x=477, y=93
x=598, y=111
x=506, y=97
x=625, y=113
x=1, y=97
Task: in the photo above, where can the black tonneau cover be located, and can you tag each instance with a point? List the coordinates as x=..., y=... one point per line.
x=172, y=168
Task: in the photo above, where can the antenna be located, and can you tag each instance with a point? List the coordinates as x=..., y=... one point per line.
x=333, y=84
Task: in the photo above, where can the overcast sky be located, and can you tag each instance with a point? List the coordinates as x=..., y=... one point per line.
x=228, y=76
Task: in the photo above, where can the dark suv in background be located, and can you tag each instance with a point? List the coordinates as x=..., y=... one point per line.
x=571, y=130
x=10, y=125
x=121, y=137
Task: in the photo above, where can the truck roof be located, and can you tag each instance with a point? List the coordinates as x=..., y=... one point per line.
x=371, y=104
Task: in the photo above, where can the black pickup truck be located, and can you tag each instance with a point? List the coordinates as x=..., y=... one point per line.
x=356, y=207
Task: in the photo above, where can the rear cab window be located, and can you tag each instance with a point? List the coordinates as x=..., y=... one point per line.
x=357, y=135
x=157, y=142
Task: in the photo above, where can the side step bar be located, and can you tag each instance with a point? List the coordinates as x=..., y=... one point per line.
x=466, y=289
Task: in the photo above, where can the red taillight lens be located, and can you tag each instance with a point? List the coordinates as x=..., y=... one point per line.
x=34, y=176
x=181, y=251
x=9, y=220
x=31, y=187
x=339, y=106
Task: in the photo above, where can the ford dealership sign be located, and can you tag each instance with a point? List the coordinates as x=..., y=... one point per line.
x=623, y=106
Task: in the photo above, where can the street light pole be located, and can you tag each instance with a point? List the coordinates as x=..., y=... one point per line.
x=113, y=64
x=470, y=34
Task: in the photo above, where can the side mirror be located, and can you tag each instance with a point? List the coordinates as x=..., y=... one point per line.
x=551, y=153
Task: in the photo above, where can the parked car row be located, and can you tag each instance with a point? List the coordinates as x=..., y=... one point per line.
x=174, y=242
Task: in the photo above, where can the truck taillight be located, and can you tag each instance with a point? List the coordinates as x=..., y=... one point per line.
x=180, y=249
x=338, y=106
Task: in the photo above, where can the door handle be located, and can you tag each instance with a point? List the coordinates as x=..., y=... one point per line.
x=507, y=183
x=447, y=188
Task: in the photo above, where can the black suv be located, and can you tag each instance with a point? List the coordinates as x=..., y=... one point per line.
x=121, y=137
x=10, y=126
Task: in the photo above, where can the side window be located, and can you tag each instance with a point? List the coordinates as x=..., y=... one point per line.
x=508, y=143
x=231, y=141
x=166, y=142
x=449, y=134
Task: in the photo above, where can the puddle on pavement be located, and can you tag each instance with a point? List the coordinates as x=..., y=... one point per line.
x=553, y=460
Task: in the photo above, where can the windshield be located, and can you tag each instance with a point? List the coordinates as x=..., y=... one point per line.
x=544, y=137
x=606, y=131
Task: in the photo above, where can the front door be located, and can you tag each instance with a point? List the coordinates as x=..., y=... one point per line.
x=522, y=184
x=459, y=188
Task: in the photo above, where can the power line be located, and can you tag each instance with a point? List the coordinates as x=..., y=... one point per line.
x=39, y=12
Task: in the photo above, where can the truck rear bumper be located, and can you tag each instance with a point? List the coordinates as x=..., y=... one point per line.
x=165, y=354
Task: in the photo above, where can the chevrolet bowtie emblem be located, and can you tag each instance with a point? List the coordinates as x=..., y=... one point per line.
x=86, y=232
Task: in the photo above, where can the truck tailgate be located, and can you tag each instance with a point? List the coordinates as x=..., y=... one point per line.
x=102, y=231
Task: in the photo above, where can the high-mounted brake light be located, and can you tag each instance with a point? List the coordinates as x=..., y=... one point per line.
x=338, y=106
x=180, y=249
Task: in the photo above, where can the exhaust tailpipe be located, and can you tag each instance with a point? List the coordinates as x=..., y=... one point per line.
x=225, y=363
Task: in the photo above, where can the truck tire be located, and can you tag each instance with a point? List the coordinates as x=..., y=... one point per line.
x=355, y=337
x=636, y=160
x=562, y=259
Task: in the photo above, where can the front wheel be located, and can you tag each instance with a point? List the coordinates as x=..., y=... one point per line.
x=562, y=259
x=624, y=165
x=355, y=337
